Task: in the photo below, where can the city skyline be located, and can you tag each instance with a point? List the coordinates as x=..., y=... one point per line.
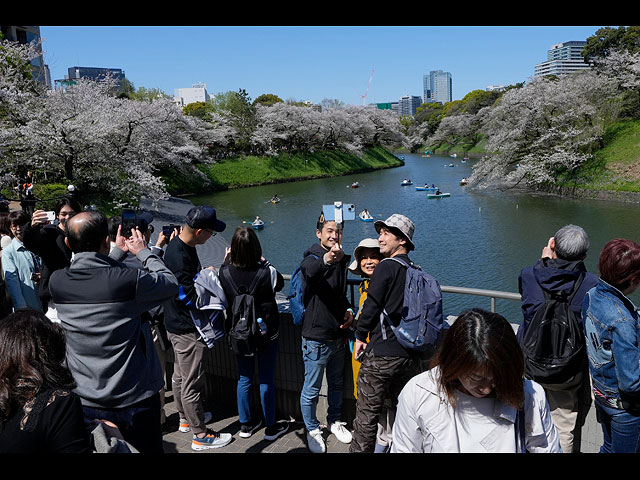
x=308, y=63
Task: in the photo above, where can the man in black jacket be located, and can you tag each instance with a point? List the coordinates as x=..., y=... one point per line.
x=386, y=365
x=181, y=257
x=326, y=320
x=560, y=266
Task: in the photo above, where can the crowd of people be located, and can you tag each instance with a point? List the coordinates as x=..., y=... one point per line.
x=90, y=311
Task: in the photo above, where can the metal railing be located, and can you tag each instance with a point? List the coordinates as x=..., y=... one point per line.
x=353, y=283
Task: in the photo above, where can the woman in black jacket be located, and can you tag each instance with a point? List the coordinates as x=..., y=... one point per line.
x=246, y=267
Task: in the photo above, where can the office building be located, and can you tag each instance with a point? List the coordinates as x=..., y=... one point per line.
x=185, y=96
x=24, y=35
x=408, y=104
x=563, y=58
x=437, y=87
x=95, y=74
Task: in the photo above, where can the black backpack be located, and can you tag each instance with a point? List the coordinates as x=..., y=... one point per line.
x=244, y=334
x=553, y=345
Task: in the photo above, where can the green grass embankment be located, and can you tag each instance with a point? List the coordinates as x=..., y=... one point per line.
x=251, y=170
x=616, y=166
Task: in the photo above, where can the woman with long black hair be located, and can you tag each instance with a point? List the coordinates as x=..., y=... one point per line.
x=243, y=263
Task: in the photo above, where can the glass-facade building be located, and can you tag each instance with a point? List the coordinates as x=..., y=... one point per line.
x=24, y=35
x=437, y=87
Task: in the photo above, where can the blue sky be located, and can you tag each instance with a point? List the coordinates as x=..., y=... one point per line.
x=308, y=62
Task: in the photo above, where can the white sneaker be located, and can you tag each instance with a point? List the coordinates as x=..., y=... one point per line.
x=184, y=424
x=315, y=441
x=341, y=433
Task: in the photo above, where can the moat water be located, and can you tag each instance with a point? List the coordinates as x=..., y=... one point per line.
x=470, y=239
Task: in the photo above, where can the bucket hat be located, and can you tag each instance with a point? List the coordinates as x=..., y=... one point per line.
x=366, y=243
x=398, y=224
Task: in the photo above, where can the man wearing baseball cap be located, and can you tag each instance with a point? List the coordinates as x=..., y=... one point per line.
x=386, y=365
x=201, y=223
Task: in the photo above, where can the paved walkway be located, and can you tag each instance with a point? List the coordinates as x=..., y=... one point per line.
x=294, y=441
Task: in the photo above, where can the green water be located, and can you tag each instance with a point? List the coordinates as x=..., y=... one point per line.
x=470, y=239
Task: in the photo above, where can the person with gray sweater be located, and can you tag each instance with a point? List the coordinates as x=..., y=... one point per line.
x=110, y=349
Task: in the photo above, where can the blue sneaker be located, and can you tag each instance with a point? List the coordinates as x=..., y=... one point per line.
x=210, y=440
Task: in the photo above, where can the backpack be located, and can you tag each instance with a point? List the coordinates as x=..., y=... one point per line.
x=554, y=345
x=421, y=319
x=244, y=334
x=297, y=288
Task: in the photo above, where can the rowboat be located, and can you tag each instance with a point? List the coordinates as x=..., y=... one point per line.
x=406, y=182
x=258, y=224
x=438, y=195
x=427, y=189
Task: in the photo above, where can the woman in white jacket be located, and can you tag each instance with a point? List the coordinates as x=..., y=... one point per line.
x=475, y=398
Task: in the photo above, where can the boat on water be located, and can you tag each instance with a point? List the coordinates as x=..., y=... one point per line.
x=453, y=155
x=365, y=218
x=463, y=182
x=275, y=199
x=406, y=182
x=438, y=195
x=427, y=189
x=258, y=224
x=355, y=185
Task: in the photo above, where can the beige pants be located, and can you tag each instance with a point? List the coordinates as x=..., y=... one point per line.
x=569, y=404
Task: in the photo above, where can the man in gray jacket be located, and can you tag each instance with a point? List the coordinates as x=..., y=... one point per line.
x=110, y=349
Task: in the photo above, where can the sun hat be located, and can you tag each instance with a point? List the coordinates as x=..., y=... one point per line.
x=398, y=224
x=205, y=218
x=366, y=243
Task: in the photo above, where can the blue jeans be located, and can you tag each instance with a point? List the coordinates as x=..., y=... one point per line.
x=319, y=357
x=139, y=423
x=266, y=377
x=620, y=429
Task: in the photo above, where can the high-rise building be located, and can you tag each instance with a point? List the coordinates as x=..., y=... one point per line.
x=408, y=104
x=437, y=87
x=197, y=93
x=28, y=34
x=563, y=58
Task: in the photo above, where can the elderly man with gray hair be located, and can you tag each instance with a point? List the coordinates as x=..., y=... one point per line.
x=561, y=271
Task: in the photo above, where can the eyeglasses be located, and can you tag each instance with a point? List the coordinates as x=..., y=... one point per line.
x=213, y=234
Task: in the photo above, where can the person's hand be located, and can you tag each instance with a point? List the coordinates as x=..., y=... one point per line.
x=121, y=241
x=135, y=243
x=110, y=428
x=39, y=217
x=162, y=239
x=334, y=255
x=359, y=348
x=348, y=319
x=547, y=251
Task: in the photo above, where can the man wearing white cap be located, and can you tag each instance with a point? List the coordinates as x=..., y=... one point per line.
x=386, y=365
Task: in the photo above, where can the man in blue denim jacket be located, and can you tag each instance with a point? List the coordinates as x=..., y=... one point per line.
x=560, y=266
